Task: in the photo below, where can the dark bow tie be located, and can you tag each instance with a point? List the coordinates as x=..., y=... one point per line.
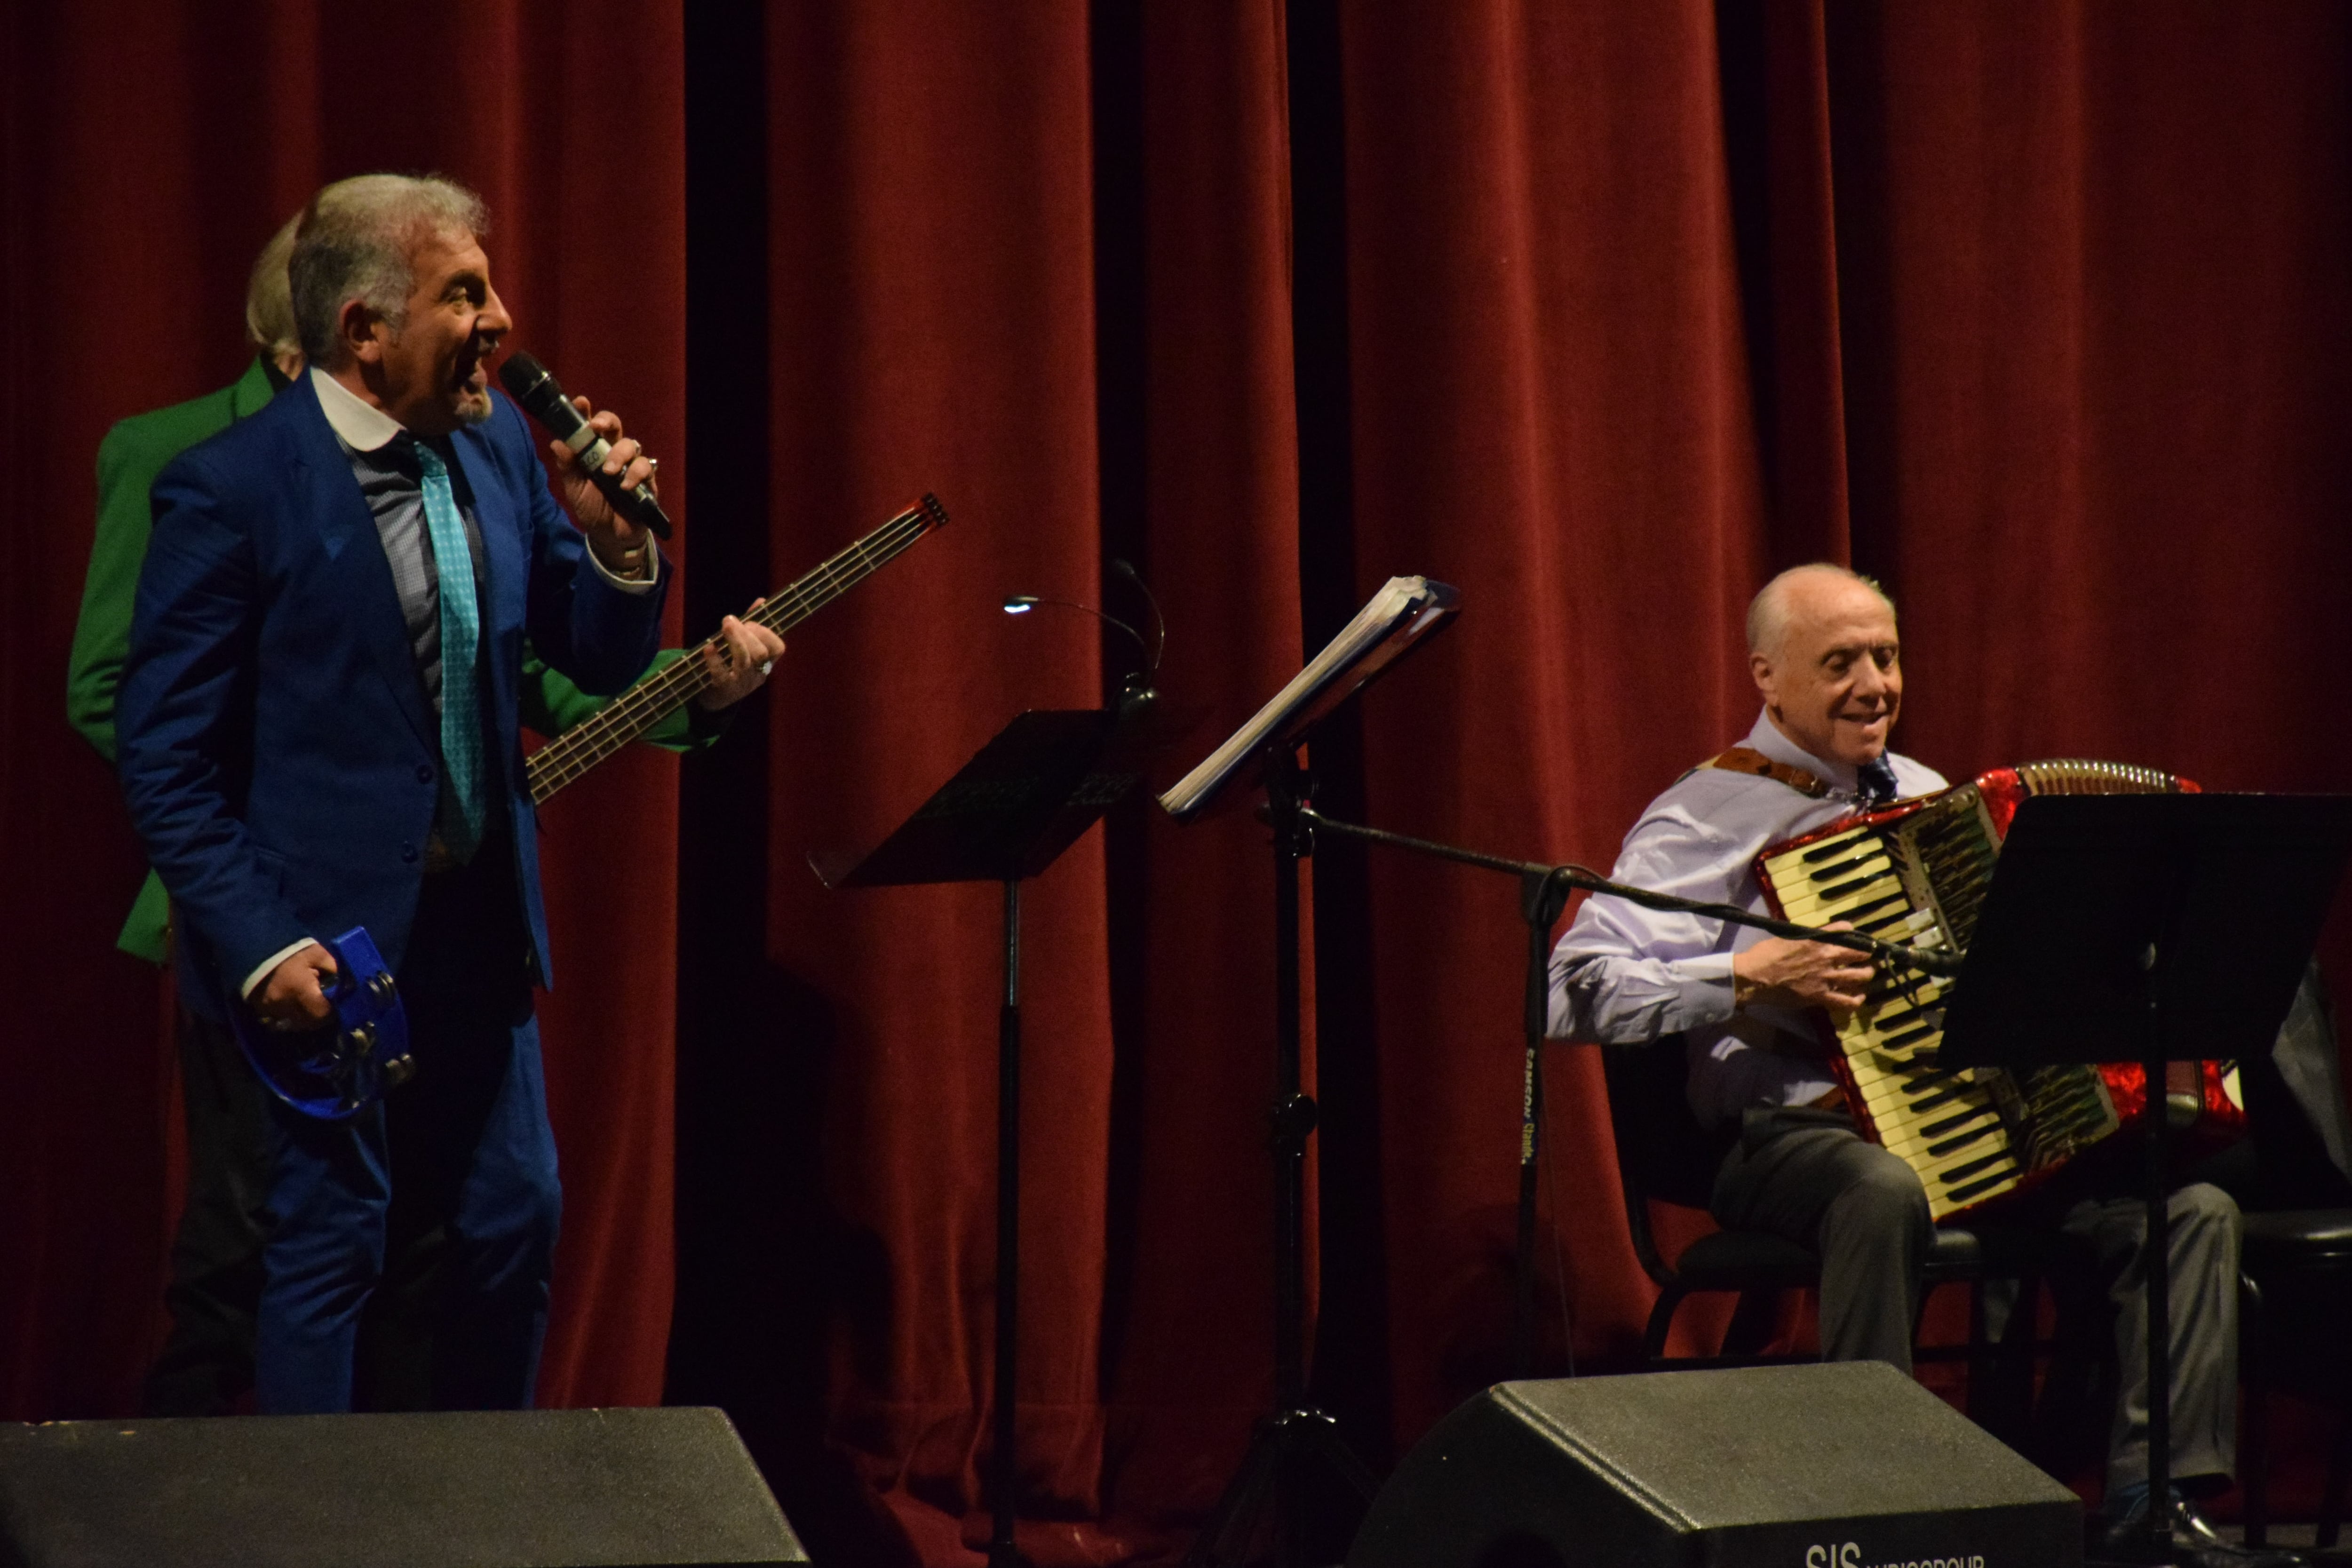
x=1876, y=782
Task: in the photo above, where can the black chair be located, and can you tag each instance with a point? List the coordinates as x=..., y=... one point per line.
x=1663, y=1155
x=2298, y=1153
x=2298, y=1246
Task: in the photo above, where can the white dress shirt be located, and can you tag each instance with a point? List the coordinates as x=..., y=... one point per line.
x=1625, y=974
x=362, y=426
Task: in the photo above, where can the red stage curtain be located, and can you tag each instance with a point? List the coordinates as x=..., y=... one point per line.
x=149, y=150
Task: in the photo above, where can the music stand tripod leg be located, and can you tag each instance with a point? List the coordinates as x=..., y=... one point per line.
x=1003, y=1469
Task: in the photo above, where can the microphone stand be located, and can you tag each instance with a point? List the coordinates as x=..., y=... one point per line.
x=1543, y=892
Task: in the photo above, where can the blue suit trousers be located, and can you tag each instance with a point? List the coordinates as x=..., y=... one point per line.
x=463, y=1147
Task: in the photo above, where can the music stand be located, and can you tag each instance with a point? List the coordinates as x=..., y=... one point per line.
x=1006, y=815
x=2149, y=927
x=1402, y=617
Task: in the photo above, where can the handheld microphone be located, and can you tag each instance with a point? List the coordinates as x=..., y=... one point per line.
x=533, y=386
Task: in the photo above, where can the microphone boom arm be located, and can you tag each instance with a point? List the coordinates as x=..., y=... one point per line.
x=1927, y=961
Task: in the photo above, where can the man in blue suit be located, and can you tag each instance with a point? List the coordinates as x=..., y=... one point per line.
x=318, y=730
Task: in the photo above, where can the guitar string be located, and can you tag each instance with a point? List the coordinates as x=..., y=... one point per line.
x=787, y=610
x=627, y=716
x=685, y=678
x=569, y=756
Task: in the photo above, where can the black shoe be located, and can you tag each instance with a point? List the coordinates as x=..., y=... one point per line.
x=2194, y=1533
x=2194, y=1542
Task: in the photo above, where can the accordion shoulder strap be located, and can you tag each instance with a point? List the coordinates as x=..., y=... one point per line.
x=1748, y=760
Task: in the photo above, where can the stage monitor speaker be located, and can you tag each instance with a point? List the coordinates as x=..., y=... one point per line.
x=1847, y=1466
x=513, y=1489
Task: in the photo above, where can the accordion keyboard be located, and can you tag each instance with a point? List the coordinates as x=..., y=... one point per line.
x=1946, y=1126
x=1917, y=873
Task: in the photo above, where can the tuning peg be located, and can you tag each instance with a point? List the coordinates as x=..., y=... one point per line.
x=398, y=1071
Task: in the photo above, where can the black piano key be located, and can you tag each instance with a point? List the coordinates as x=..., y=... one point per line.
x=1912, y=1037
x=1961, y=1195
x=1838, y=845
x=1960, y=1173
x=1949, y=1122
x=1846, y=889
x=1856, y=914
x=1937, y=1151
x=1923, y=1070
x=1896, y=1015
x=1846, y=865
x=1927, y=1074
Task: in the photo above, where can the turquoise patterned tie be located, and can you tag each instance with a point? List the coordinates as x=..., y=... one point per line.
x=461, y=636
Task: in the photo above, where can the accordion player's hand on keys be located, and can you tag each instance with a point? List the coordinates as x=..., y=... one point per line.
x=1781, y=971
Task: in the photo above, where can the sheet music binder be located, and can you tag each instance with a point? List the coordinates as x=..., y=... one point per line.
x=1405, y=612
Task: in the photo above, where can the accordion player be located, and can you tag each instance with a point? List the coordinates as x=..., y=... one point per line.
x=1770, y=1078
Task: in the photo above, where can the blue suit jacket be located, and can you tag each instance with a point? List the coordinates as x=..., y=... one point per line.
x=279, y=755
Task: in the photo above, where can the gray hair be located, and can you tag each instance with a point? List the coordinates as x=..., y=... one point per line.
x=269, y=298
x=1768, y=613
x=353, y=243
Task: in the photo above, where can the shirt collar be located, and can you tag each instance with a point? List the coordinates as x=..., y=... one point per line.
x=358, y=424
x=1767, y=738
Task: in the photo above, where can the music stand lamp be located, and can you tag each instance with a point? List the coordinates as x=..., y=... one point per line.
x=2147, y=929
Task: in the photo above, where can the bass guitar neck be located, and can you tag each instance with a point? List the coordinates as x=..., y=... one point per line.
x=641, y=707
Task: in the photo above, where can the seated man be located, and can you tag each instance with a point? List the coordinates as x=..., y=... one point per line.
x=1823, y=650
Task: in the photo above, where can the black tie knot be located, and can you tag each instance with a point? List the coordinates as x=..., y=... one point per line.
x=1875, y=780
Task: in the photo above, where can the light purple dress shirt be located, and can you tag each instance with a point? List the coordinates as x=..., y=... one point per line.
x=1625, y=974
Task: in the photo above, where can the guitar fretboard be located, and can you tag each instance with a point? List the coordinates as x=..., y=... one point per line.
x=645, y=704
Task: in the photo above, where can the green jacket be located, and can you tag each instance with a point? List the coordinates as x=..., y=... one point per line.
x=129, y=460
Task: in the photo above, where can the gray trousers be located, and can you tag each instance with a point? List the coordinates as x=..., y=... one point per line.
x=1809, y=1177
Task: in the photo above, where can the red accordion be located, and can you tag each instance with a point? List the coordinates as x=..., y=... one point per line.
x=1917, y=872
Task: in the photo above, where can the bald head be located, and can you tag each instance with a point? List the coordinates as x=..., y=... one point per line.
x=1822, y=649
x=1798, y=591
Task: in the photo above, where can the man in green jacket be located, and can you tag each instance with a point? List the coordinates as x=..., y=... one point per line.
x=206, y=1363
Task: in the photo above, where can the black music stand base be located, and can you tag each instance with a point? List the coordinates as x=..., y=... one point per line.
x=1283, y=1444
